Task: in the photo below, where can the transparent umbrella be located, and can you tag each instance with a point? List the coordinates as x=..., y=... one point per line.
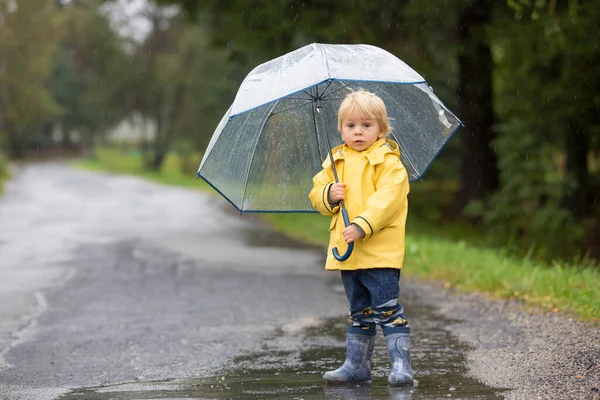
x=282, y=124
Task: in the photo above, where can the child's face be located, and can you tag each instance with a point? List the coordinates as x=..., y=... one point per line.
x=358, y=131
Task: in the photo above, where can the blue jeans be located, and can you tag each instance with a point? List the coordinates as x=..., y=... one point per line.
x=373, y=297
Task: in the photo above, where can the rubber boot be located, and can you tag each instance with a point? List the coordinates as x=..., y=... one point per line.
x=398, y=345
x=357, y=366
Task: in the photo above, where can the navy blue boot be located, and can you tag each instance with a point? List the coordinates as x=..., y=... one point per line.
x=357, y=367
x=398, y=345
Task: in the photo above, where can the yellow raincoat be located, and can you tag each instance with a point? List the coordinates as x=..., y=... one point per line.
x=376, y=199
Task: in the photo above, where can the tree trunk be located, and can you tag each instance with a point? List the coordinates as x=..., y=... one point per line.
x=15, y=145
x=478, y=172
x=173, y=102
x=577, y=199
x=159, y=157
x=160, y=145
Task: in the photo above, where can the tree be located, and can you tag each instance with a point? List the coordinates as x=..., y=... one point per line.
x=28, y=33
x=87, y=76
x=209, y=86
x=546, y=80
x=478, y=171
x=156, y=96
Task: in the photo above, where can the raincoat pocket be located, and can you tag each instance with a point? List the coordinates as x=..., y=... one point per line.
x=335, y=232
x=387, y=240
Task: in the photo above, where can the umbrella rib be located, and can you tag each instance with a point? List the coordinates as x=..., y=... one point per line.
x=316, y=131
x=335, y=91
x=326, y=87
x=291, y=108
x=262, y=127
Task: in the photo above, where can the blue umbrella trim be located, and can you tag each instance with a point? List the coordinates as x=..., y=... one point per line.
x=241, y=211
x=418, y=178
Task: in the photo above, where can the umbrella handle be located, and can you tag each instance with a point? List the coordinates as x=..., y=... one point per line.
x=350, y=246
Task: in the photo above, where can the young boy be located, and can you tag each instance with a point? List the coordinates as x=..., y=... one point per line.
x=374, y=190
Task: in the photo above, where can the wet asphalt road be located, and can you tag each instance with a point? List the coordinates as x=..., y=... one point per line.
x=117, y=288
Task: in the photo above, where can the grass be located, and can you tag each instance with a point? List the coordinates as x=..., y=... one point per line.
x=131, y=163
x=4, y=172
x=559, y=287
x=431, y=252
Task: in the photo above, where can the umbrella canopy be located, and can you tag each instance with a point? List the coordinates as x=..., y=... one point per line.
x=270, y=142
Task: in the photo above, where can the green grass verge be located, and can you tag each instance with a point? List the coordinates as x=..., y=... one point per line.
x=113, y=160
x=570, y=288
x=4, y=172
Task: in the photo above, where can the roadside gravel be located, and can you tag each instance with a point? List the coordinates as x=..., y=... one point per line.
x=535, y=355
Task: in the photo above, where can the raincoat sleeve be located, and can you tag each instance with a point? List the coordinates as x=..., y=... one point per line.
x=383, y=206
x=319, y=194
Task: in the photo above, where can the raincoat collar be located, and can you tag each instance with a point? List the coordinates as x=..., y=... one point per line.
x=375, y=154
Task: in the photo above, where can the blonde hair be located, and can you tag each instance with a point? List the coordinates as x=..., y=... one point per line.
x=370, y=105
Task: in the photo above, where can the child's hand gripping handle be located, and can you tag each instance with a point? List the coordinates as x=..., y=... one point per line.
x=350, y=246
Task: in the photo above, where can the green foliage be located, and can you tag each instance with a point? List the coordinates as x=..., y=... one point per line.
x=4, y=171
x=85, y=81
x=544, y=67
x=28, y=33
x=180, y=84
x=59, y=69
x=208, y=85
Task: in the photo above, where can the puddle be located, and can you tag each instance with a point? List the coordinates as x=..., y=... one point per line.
x=281, y=371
